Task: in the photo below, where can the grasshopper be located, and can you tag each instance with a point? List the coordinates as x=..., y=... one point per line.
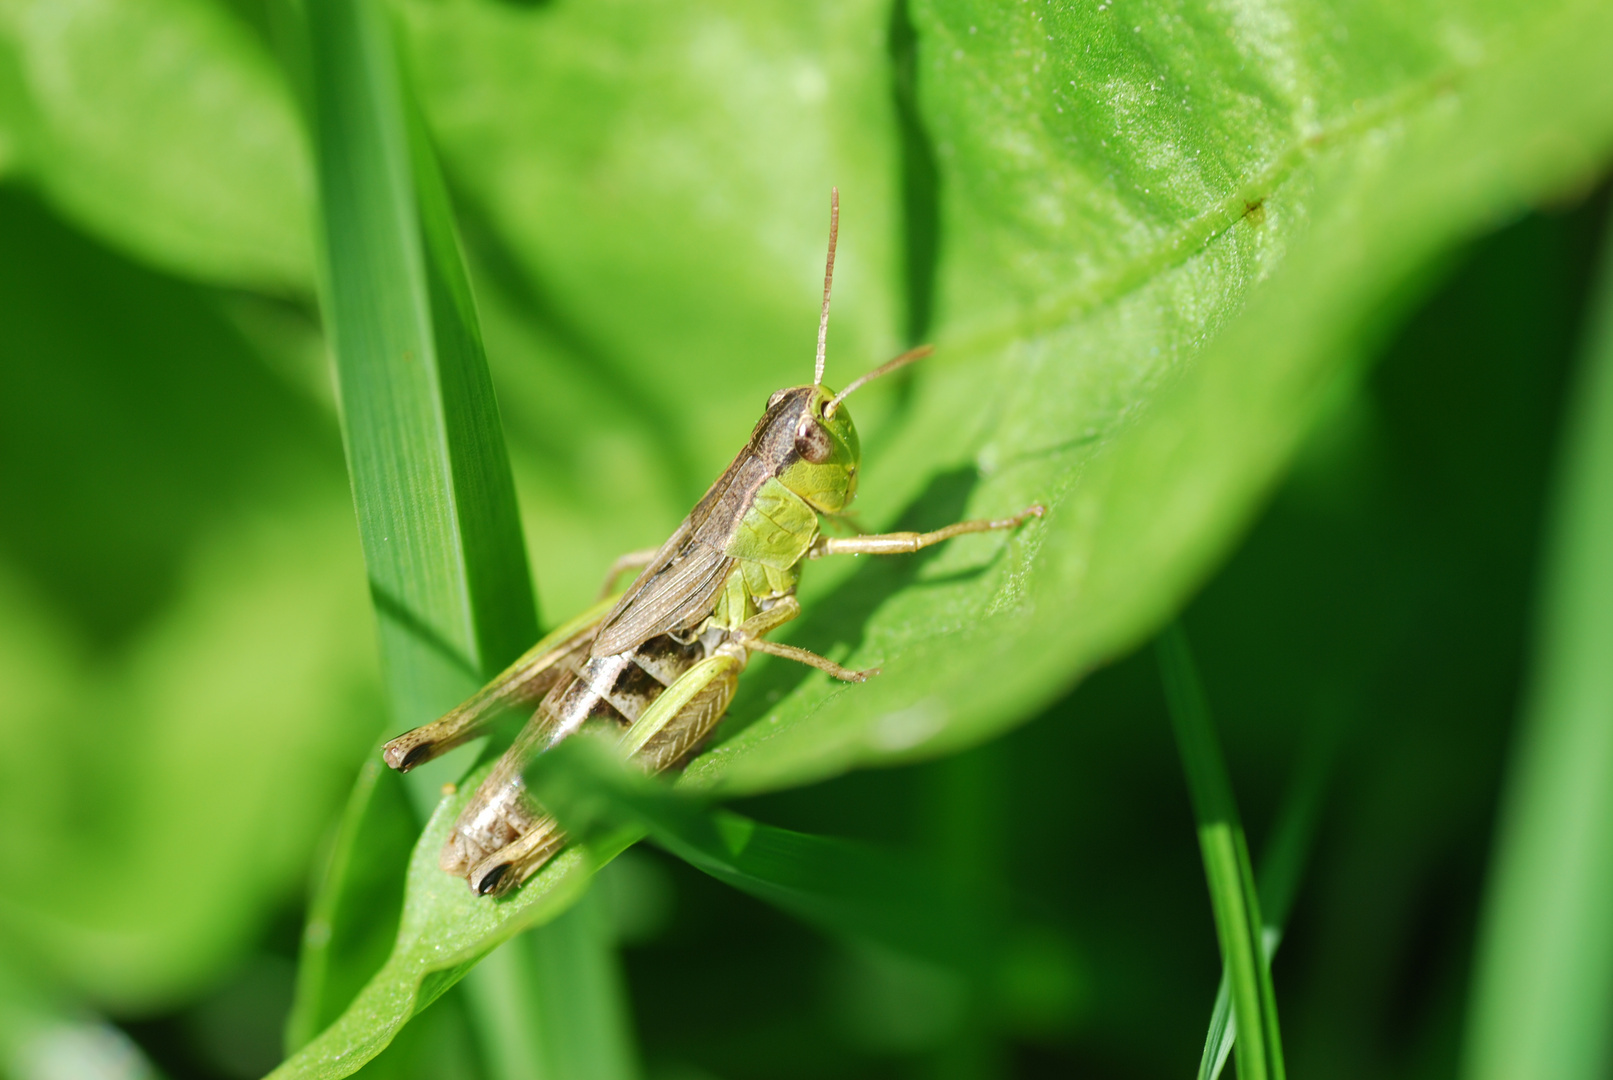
x=660, y=664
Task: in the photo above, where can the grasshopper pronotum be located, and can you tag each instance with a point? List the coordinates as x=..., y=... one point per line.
x=660, y=664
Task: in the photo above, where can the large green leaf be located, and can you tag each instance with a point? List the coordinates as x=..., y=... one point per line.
x=1165, y=240
x=1161, y=236
x=1143, y=361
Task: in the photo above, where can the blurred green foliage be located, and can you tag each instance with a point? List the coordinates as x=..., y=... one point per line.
x=1155, y=245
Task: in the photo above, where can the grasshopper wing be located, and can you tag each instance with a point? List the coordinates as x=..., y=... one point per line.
x=677, y=589
x=680, y=585
x=523, y=683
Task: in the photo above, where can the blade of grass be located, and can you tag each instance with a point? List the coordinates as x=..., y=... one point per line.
x=582, y=991
x=846, y=888
x=1277, y=882
x=1227, y=866
x=1543, y=987
x=431, y=478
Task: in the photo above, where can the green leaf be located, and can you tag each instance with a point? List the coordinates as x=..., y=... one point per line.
x=1233, y=898
x=843, y=887
x=1544, y=975
x=165, y=127
x=1139, y=306
x=1166, y=239
x=445, y=931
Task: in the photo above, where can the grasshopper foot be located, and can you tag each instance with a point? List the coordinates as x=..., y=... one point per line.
x=489, y=881
x=406, y=751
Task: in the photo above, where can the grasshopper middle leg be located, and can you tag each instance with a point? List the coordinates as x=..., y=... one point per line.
x=749, y=636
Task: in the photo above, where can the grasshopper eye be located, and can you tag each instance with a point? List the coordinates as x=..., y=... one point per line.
x=778, y=396
x=812, y=442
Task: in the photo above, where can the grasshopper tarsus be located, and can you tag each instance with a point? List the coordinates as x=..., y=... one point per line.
x=406, y=751
x=414, y=757
x=491, y=879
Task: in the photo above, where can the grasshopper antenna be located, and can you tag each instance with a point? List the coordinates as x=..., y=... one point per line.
x=828, y=279
x=884, y=369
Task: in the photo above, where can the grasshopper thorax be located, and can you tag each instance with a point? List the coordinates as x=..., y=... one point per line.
x=814, y=455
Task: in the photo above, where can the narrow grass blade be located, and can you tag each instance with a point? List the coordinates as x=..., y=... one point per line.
x=583, y=994
x=843, y=887
x=431, y=478
x=1276, y=883
x=439, y=524
x=1227, y=866
x=1543, y=987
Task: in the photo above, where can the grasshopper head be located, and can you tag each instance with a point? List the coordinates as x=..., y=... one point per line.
x=807, y=434
x=814, y=455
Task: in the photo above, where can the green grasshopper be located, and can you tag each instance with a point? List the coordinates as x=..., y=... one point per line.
x=660, y=664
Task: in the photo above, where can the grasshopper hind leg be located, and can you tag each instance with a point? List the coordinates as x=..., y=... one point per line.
x=511, y=865
x=521, y=685
x=500, y=814
x=502, y=839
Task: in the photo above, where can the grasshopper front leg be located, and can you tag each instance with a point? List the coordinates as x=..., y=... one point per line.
x=905, y=543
